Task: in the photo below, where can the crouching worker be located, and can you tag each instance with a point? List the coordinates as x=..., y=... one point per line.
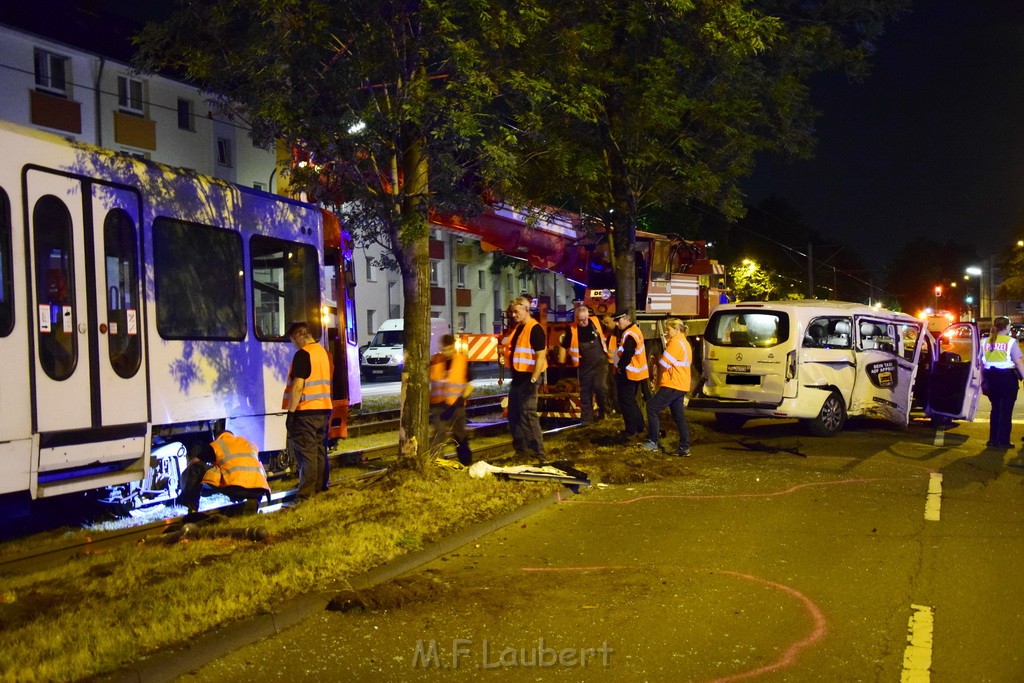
x=449, y=388
x=229, y=465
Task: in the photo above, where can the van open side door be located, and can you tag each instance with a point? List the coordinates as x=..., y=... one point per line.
x=886, y=367
x=956, y=374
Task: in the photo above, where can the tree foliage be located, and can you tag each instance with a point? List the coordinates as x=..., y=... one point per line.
x=656, y=102
x=394, y=102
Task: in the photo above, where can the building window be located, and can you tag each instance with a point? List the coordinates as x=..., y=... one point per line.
x=508, y=283
x=259, y=186
x=224, y=152
x=481, y=278
x=483, y=322
x=463, y=321
x=460, y=274
x=371, y=270
x=435, y=273
x=186, y=114
x=371, y=320
x=52, y=73
x=129, y=95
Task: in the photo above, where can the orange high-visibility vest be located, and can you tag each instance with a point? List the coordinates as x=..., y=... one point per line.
x=237, y=464
x=316, y=392
x=574, y=340
x=523, y=357
x=448, y=385
x=675, y=364
x=637, y=368
x=613, y=349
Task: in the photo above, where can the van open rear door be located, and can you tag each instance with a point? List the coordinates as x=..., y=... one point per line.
x=956, y=374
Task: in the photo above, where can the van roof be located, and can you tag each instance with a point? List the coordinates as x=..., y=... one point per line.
x=817, y=307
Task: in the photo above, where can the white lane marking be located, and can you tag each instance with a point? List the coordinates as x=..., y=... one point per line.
x=934, y=500
x=917, y=658
x=940, y=437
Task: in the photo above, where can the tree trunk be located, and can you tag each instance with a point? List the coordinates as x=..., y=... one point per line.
x=414, y=237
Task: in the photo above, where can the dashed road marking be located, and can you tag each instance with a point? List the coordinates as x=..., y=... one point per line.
x=940, y=437
x=917, y=658
x=934, y=500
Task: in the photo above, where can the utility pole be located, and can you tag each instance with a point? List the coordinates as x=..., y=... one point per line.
x=810, y=270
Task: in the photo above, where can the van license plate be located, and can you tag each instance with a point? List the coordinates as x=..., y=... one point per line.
x=739, y=368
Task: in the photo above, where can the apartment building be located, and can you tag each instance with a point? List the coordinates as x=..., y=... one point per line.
x=99, y=100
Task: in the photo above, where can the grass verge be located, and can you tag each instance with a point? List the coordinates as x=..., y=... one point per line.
x=99, y=612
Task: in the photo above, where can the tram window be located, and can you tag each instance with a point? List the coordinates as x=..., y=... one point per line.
x=6, y=293
x=200, y=282
x=285, y=287
x=55, y=288
x=120, y=247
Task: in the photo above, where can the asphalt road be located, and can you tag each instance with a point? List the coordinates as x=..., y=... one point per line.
x=760, y=566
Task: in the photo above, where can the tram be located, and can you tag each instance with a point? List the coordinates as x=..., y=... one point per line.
x=142, y=307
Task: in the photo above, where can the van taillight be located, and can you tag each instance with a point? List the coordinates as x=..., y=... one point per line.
x=791, y=365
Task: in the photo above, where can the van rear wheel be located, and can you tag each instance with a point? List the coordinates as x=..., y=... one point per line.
x=831, y=417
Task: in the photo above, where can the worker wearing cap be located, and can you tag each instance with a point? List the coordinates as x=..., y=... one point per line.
x=1003, y=367
x=588, y=352
x=631, y=372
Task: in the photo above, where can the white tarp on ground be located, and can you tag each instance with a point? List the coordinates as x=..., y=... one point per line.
x=481, y=469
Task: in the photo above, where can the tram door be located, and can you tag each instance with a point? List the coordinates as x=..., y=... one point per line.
x=88, y=365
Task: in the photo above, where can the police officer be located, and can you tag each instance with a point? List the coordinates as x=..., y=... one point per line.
x=1003, y=368
x=631, y=372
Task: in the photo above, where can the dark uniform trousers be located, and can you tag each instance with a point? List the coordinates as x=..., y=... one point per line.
x=307, y=436
x=523, y=421
x=593, y=375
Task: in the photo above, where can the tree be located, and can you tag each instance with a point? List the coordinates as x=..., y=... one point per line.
x=390, y=100
x=668, y=101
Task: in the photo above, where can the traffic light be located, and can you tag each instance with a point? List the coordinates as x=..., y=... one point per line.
x=938, y=290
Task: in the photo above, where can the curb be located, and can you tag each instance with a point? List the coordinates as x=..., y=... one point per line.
x=178, y=661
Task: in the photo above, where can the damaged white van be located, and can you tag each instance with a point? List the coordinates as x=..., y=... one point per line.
x=824, y=361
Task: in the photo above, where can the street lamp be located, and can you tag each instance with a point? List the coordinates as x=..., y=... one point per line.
x=976, y=272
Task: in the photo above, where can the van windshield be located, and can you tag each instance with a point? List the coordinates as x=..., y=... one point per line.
x=747, y=328
x=388, y=338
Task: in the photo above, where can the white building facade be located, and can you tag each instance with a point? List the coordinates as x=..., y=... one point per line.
x=100, y=101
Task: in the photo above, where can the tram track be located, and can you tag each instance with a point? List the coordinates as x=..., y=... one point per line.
x=380, y=457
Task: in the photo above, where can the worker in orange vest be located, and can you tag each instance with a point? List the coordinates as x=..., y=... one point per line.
x=450, y=386
x=230, y=465
x=526, y=350
x=588, y=352
x=307, y=397
x=631, y=371
x=673, y=384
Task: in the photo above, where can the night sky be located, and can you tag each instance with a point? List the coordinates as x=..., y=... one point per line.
x=931, y=144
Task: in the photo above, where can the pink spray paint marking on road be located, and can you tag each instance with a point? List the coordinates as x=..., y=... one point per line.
x=788, y=657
